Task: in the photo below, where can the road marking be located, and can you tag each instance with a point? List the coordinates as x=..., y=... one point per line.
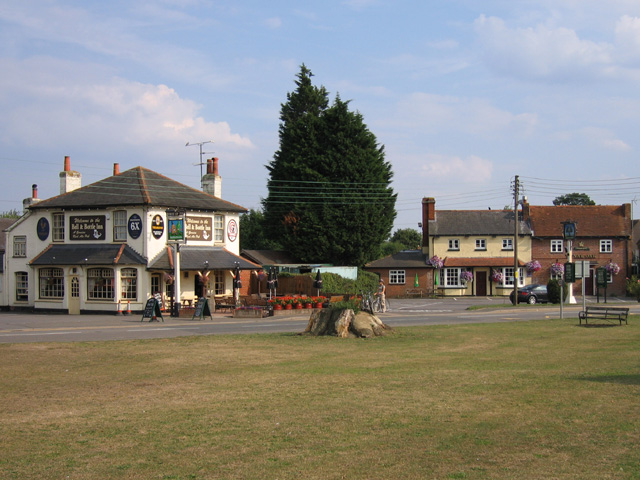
x=22, y=334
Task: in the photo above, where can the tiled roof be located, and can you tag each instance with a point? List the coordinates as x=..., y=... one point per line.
x=194, y=258
x=270, y=257
x=475, y=222
x=591, y=220
x=4, y=224
x=404, y=259
x=138, y=186
x=84, y=254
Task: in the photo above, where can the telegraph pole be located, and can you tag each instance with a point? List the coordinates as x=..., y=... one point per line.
x=516, y=193
x=199, y=144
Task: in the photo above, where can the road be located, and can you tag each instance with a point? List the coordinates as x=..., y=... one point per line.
x=25, y=327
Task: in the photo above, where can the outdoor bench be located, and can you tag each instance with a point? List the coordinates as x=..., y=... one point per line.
x=604, y=313
x=415, y=292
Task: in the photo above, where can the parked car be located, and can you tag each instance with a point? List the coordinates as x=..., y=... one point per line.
x=531, y=294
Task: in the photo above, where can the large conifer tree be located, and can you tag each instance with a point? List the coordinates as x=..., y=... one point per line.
x=329, y=195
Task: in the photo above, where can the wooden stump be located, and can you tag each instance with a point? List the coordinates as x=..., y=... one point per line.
x=345, y=323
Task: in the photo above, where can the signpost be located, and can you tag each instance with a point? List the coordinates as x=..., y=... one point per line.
x=601, y=282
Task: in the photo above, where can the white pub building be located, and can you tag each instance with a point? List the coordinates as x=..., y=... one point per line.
x=108, y=247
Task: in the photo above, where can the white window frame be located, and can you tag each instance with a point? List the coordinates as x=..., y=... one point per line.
x=481, y=244
x=454, y=244
x=556, y=246
x=57, y=227
x=507, y=274
x=100, y=284
x=22, y=286
x=218, y=228
x=397, y=277
x=51, y=283
x=217, y=278
x=507, y=244
x=120, y=226
x=606, y=246
x=129, y=283
x=20, y=246
x=450, y=277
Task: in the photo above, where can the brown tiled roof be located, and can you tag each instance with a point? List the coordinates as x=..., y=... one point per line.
x=591, y=220
x=194, y=258
x=270, y=257
x=138, y=186
x=475, y=222
x=404, y=259
x=4, y=224
x=480, y=262
x=84, y=254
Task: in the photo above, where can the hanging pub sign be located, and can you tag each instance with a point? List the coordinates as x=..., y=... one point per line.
x=135, y=226
x=42, y=229
x=157, y=226
x=569, y=230
x=198, y=228
x=176, y=229
x=87, y=227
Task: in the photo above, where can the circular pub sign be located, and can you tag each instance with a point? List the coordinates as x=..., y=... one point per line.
x=232, y=230
x=42, y=229
x=135, y=226
x=157, y=227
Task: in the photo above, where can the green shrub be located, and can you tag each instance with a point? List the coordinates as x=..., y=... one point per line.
x=633, y=287
x=553, y=290
x=351, y=304
x=333, y=283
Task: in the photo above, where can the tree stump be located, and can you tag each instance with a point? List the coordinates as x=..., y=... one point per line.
x=345, y=323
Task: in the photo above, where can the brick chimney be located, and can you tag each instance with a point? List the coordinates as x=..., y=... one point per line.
x=211, y=181
x=428, y=214
x=116, y=169
x=27, y=202
x=70, y=180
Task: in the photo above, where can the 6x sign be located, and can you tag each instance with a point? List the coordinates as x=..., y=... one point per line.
x=135, y=226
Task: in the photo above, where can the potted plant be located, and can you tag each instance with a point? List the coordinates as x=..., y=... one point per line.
x=436, y=262
x=276, y=303
x=497, y=276
x=318, y=301
x=557, y=269
x=533, y=266
x=466, y=276
x=613, y=268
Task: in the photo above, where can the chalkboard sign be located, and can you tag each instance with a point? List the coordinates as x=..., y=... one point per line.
x=202, y=309
x=152, y=310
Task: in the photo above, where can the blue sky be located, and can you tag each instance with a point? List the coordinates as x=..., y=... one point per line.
x=464, y=95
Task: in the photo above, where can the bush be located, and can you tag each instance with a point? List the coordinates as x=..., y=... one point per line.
x=553, y=290
x=633, y=287
x=333, y=283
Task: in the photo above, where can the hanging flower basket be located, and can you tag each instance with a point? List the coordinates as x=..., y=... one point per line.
x=497, y=276
x=466, y=276
x=533, y=266
x=436, y=262
x=613, y=268
x=557, y=269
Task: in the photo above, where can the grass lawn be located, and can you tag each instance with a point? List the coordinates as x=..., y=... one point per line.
x=523, y=400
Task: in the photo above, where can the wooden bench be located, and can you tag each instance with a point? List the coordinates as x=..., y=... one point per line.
x=604, y=313
x=421, y=292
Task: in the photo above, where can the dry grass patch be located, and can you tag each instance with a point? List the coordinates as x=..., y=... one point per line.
x=521, y=400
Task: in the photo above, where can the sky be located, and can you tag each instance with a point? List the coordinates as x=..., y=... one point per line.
x=465, y=96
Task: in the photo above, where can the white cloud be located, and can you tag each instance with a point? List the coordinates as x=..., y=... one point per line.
x=472, y=169
x=63, y=103
x=542, y=52
x=273, y=23
x=628, y=39
x=604, y=138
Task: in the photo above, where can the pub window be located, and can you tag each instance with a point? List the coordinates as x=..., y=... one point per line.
x=20, y=246
x=451, y=277
x=129, y=283
x=119, y=226
x=507, y=243
x=396, y=277
x=218, y=282
x=454, y=244
x=507, y=277
x=557, y=246
x=100, y=284
x=22, y=286
x=481, y=244
x=51, y=283
x=218, y=228
x=606, y=246
x=57, y=231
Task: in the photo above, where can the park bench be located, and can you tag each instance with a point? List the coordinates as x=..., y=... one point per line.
x=421, y=292
x=604, y=313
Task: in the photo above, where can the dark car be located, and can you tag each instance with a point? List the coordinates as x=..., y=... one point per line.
x=531, y=294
